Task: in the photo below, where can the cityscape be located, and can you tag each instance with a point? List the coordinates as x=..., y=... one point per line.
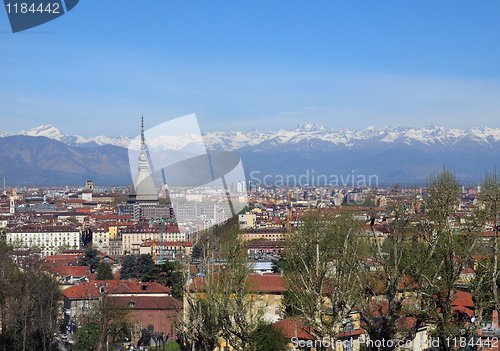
x=64, y=228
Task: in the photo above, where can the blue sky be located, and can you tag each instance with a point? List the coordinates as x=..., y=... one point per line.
x=245, y=64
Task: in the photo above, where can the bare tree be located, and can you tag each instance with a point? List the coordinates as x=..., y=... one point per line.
x=30, y=307
x=320, y=268
x=389, y=293
x=221, y=305
x=447, y=249
x=487, y=213
x=240, y=310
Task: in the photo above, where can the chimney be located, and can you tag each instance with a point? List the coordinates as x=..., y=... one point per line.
x=495, y=319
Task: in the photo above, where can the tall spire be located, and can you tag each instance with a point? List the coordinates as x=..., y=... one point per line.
x=143, y=159
x=142, y=130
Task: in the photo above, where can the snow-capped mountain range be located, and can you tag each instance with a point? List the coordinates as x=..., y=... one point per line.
x=52, y=132
x=430, y=135
x=392, y=154
x=306, y=135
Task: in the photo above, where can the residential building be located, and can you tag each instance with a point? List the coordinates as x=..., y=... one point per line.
x=49, y=238
x=100, y=238
x=272, y=234
x=151, y=304
x=247, y=220
x=170, y=248
x=134, y=236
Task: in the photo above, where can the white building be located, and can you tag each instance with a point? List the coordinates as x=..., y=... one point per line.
x=100, y=239
x=238, y=187
x=85, y=195
x=48, y=238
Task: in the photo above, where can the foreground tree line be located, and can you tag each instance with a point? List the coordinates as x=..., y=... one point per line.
x=29, y=305
x=221, y=305
x=333, y=266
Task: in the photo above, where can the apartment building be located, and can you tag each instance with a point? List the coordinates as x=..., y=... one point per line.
x=134, y=236
x=49, y=238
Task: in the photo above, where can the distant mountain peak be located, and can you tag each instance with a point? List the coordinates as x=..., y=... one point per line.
x=316, y=136
x=309, y=127
x=47, y=130
x=51, y=132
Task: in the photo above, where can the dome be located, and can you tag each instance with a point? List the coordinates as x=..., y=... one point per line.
x=143, y=188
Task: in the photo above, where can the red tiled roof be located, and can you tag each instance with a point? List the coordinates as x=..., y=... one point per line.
x=88, y=290
x=136, y=287
x=267, y=282
x=91, y=289
x=463, y=309
x=61, y=260
x=66, y=255
x=75, y=271
x=112, y=216
x=76, y=201
x=462, y=298
x=294, y=327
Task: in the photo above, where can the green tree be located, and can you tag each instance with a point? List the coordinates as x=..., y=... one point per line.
x=87, y=337
x=63, y=248
x=129, y=268
x=170, y=274
x=201, y=327
x=197, y=251
x=9, y=277
x=90, y=259
x=144, y=264
x=266, y=337
x=104, y=271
